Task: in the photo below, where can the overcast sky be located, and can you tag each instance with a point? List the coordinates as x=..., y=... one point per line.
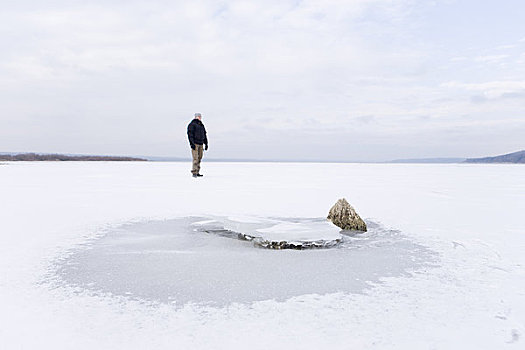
x=364, y=80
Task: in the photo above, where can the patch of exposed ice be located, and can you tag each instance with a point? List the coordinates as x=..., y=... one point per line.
x=169, y=261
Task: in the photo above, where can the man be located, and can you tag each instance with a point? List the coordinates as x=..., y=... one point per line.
x=197, y=138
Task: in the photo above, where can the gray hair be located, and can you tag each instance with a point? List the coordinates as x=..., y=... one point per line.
x=197, y=115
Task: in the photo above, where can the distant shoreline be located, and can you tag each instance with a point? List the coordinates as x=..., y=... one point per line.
x=34, y=157
x=511, y=158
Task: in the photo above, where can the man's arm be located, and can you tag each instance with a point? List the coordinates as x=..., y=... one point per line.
x=191, y=134
x=205, y=139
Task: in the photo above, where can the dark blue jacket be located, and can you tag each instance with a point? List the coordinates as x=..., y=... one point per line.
x=197, y=133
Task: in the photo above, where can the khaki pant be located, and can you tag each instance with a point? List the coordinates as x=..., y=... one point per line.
x=197, y=156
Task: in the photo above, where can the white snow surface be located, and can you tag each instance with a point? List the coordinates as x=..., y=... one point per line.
x=470, y=215
x=275, y=230
x=297, y=232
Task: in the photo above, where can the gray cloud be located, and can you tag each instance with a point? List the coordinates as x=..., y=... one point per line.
x=125, y=77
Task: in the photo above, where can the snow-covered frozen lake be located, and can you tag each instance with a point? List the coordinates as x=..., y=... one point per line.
x=106, y=255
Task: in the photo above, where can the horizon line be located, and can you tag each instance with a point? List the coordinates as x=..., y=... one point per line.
x=254, y=160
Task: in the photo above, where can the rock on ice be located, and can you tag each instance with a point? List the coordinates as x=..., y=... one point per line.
x=343, y=215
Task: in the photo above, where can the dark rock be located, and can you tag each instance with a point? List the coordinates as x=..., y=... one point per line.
x=343, y=215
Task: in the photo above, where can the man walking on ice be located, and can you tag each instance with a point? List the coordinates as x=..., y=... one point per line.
x=197, y=138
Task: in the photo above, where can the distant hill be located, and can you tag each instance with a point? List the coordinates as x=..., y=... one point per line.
x=516, y=157
x=429, y=160
x=29, y=157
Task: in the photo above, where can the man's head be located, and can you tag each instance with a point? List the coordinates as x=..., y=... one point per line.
x=198, y=116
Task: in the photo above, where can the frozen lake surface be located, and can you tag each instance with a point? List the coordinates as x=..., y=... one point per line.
x=172, y=261
x=104, y=255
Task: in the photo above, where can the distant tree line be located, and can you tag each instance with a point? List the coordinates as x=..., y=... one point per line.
x=61, y=157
